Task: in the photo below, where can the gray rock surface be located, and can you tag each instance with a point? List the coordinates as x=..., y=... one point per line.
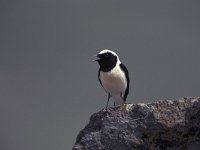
x=162, y=125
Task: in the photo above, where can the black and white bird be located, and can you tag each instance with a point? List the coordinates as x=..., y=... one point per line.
x=113, y=76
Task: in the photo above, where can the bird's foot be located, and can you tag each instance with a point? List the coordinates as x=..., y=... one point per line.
x=106, y=110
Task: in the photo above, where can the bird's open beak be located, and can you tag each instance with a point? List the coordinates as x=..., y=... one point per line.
x=97, y=58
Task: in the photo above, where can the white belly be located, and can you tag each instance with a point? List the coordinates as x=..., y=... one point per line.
x=114, y=82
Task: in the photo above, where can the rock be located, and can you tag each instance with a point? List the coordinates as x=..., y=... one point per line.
x=162, y=125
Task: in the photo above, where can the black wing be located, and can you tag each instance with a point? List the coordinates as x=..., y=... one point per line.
x=123, y=67
x=99, y=77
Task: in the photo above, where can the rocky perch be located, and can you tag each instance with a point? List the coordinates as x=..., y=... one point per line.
x=162, y=125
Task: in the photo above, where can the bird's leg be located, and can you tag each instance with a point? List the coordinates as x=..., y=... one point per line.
x=107, y=102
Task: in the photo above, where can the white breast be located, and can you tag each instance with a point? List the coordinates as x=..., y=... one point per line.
x=114, y=82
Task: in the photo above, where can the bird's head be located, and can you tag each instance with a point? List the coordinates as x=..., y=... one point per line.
x=107, y=60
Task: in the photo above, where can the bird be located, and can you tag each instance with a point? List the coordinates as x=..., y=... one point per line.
x=113, y=76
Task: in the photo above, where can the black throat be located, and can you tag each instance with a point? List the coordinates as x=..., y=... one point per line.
x=107, y=64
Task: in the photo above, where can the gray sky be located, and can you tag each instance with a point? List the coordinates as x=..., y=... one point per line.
x=48, y=83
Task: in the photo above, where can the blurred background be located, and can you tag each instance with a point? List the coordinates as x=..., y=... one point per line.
x=48, y=82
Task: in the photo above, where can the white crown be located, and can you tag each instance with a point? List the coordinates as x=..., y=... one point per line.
x=107, y=50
